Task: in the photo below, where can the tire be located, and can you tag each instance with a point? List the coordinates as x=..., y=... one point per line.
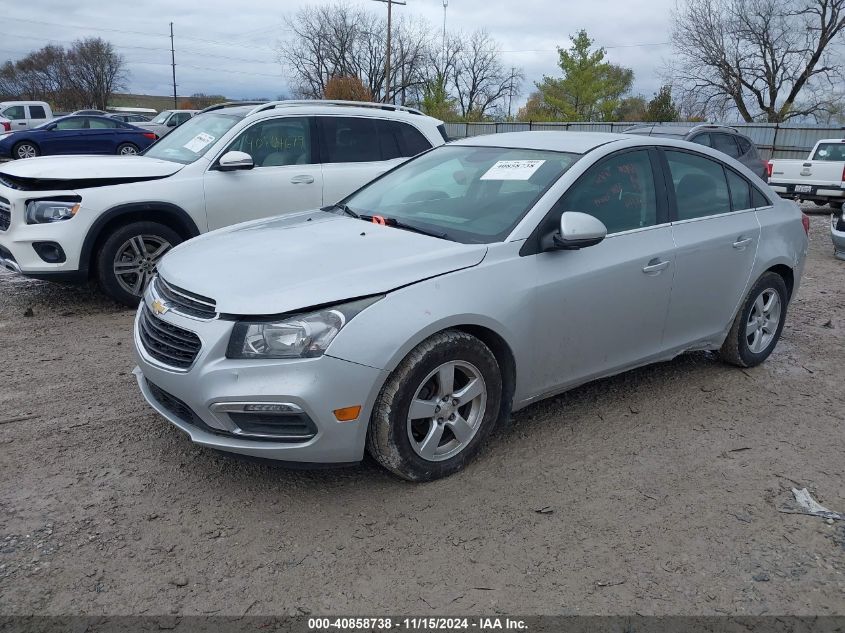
x=127, y=149
x=836, y=206
x=398, y=443
x=135, y=249
x=25, y=149
x=742, y=347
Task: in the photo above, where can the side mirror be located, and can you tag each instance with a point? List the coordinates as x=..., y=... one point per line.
x=577, y=230
x=234, y=161
x=171, y=122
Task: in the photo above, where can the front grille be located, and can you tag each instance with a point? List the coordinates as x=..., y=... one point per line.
x=167, y=343
x=184, y=301
x=5, y=214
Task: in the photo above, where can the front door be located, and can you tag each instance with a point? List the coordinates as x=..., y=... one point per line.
x=603, y=308
x=716, y=232
x=284, y=179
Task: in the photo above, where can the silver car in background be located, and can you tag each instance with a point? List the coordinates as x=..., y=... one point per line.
x=461, y=286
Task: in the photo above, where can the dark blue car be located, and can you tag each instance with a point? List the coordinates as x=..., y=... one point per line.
x=77, y=135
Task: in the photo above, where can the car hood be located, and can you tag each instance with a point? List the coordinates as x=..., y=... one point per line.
x=89, y=168
x=297, y=261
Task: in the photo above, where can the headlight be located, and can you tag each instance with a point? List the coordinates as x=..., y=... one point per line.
x=44, y=211
x=304, y=335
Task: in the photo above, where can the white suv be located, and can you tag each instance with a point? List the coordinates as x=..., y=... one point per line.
x=71, y=218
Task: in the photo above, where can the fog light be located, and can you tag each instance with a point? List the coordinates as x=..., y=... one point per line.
x=347, y=414
x=50, y=252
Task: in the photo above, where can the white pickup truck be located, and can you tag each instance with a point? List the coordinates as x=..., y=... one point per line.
x=819, y=179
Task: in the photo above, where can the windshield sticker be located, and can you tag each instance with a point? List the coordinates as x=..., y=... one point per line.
x=512, y=170
x=199, y=142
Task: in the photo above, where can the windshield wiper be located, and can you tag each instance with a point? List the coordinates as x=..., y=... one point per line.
x=407, y=227
x=343, y=207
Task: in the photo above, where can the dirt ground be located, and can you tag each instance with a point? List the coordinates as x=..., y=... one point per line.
x=660, y=490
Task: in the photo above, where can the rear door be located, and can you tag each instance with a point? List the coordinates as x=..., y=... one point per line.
x=354, y=150
x=102, y=136
x=716, y=234
x=285, y=178
x=36, y=115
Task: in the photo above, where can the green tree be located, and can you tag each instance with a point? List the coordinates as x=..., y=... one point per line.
x=591, y=88
x=436, y=101
x=631, y=109
x=662, y=108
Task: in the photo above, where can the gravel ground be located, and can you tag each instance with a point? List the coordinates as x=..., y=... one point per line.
x=654, y=492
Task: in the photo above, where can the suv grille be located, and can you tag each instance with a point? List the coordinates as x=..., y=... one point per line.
x=5, y=214
x=186, y=302
x=167, y=343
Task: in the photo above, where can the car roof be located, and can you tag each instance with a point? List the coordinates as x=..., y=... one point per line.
x=575, y=142
x=327, y=108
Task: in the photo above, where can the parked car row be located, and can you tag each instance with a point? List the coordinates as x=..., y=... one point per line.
x=364, y=286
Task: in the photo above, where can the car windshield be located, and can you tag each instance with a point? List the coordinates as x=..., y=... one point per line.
x=161, y=117
x=830, y=151
x=192, y=139
x=462, y=193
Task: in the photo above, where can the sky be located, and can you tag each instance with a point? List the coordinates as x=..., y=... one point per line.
x=228, y=47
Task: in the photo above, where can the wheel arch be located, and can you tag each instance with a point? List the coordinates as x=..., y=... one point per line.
x=787, y=273
x=163, y=212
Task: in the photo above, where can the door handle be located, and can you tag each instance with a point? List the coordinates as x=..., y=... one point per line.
x=742, y=242
x=303, y=179
x=655, y=266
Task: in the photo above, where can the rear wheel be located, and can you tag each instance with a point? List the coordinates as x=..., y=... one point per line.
x=127, y=149
x=129, y=257
x=26, y=149
x=758, y=324
x=437, y=408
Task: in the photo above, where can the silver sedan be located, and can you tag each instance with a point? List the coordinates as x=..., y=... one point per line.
x=475, y=279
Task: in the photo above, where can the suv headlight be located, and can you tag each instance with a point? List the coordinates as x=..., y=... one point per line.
x=304, y=335
x=45, y=211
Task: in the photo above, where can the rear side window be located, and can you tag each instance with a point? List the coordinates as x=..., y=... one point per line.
x=37, y=112
x=725, y=143
x=619, y=191
x=740, y=191
x=411, y=139
x=700, y=185
x=759, y=199
x=350, y=140
x=102, y=124
x=745, y=146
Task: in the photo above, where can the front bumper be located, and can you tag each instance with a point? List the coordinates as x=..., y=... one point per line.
x=316, y=386
x=837, y=234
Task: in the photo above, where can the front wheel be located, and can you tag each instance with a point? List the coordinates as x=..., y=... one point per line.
x=129, y=257
x=127, y=149
x=26, y=149
x=758, y=324
x=436, y=408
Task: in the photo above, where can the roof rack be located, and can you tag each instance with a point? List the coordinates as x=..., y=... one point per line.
x=710, y=126
x=271, y=105
x=230, y=104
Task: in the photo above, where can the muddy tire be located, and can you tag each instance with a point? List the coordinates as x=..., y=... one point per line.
x=758, y=324
x=436, y=408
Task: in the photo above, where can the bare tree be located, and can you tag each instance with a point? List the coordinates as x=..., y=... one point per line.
x=479, y=79
x=770, y=60
x=95, y=71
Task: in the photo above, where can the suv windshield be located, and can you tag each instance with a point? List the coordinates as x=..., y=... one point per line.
x=192, y=139
x=466, y=194
x=830, y=151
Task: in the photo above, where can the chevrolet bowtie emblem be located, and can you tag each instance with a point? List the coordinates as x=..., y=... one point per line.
x=159, y=307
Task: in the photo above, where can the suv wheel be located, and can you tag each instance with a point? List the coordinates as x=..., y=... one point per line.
x=26, y=149
x=128, y=259
x=757, y=326
x=437, y=408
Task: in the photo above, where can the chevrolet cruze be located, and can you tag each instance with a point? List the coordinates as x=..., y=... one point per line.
x=464, y=285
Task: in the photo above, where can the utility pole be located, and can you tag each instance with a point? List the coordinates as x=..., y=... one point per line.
x=173, y=66
x=510, y=91
x=390, y=4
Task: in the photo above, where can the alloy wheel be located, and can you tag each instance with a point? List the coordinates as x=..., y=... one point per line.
x=136, y=261
x=26, y=150
x=447, y=410
x=763, y=321
x=128, y=150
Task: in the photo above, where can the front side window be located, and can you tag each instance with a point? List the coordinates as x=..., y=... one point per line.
x=14, y=112
x=700, y=185
x=37, y=112
x=277, y=142
x=725, y=144
x=618, y=190
x=188, y=142
x=74, y=123
x=830, y=151
x=466, y=194
x=350, y=140
x=161, y=118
